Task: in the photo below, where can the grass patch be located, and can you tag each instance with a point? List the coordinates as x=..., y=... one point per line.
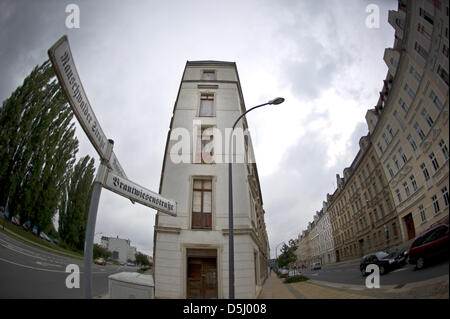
x=297, y=278
x=35, y=241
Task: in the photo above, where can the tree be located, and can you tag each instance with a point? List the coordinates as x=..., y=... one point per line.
x=99, y=251
x=142, y=259
x=287, y=254
x=37, y=147
x=74, y=205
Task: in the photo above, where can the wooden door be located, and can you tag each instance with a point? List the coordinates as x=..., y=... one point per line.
x=409, y=222
x=202, y=278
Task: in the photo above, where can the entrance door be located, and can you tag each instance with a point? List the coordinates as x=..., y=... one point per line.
x=409, y=222
x=201, y=275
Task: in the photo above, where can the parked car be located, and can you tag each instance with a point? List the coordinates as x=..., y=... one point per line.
x=316, y=265
x=44, y=236
x=432, y=245
x=15, y=220
x=100, y=261
x=384, y=260
x=284, y=271
x=27, y=225
x=55, y=241
x=131, y=264
x=294, y=272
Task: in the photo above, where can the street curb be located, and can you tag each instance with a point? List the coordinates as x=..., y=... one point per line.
x=17, y=236
x=387, y=288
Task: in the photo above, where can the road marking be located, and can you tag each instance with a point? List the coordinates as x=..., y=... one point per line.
x=39, y=269
x=401, y=269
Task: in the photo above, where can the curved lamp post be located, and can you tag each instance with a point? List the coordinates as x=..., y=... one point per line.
x=275, y=101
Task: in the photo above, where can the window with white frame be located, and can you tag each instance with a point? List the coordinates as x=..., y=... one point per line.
x=202, y=203
x=206, y=104
x=434, y=161
x=415, y=74
x=435, y=200
x=391, y=172
x=423, y=216
x=436, y=101
x=412, y=143
x=427, y=117
x=204, y=152
x=445, y=196
x=406, y=188
x=419, y=131
x=396, y=163
x=399, y=196
x=425, y=171
x=419, y=49
x=413, y=182
x=403, y=105
x=410, y=91
x=399, y=120
x=444, y=149
x=208, y=75
x=402, y=155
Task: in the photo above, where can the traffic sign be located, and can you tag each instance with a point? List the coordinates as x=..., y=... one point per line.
x=135, y=192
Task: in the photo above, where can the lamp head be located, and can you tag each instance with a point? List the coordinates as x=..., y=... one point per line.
x=276, y=101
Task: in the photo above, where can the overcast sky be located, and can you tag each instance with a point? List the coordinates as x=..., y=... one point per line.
x=319, y=55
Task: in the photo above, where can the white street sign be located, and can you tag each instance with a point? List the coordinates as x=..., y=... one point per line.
x=139, y=194
x=115, y=166
x=67, y=74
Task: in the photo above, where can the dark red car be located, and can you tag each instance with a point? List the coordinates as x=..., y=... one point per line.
x=431, y=245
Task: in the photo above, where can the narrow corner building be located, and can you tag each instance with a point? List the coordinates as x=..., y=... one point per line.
x=191, y=249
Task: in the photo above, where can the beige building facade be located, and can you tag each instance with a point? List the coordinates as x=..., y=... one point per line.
x=191, y=250
x=409, y=124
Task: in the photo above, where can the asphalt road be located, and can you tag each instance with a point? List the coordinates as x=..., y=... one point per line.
x=32, y=273
x=349, y=274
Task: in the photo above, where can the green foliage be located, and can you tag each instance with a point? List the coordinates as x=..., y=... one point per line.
x=296, y=278
x=287, y=254
x=142, y=259
x=37, y=156
x=74, y=204
x=100, y=251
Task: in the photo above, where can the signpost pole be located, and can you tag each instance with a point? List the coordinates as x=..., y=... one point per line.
x=90, y=226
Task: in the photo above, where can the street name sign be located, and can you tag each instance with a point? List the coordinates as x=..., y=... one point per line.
x=137, y=193
x=67, y=74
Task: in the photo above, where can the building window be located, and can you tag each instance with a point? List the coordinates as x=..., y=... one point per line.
x=385, y=139
x=406, y=187
x=410, y=91
x=402, y=155
x=422, y=52
x=381, y=210
x=205, y=145
x=444, y=149
x=422, y=213
x=425, y=171
x=394, y=229
x=397, y=165
x=209, y=75
x=419, y=131
x=389, y=204
x=403, y=105
x=426, y=16
x=390, y=130
x=399, y=196
x=445, y=50
x=413, y=182
x=434, y=161
x=415, y=74
x=443, y=73
x=206, y=104
x=391, y=172
x=427, y=117
x=380, y=148
x=436, y=101
x=399, y=120
x=445, y=196
x=435, y=204
x=202, y=204
x=412, y=143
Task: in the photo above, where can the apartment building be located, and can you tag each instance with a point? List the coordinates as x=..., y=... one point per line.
x=191, y=250
x=121, y=249
x=409, y=124
x=398, y=183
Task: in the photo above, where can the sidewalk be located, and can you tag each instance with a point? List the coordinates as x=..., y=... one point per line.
x=274, y=288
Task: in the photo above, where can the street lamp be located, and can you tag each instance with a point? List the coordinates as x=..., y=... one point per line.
x=275, y=101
